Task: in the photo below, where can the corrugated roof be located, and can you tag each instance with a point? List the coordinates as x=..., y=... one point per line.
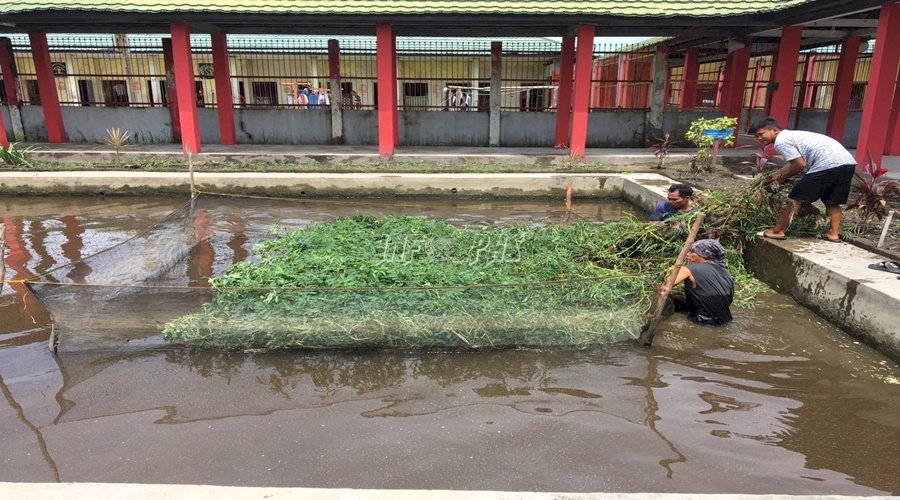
x=631, y=8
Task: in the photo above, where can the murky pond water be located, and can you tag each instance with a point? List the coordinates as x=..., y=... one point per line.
x=776, y=402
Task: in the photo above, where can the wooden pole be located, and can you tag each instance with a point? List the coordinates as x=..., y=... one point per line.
x=569, y=197
x=646, y=337
x=884, y=231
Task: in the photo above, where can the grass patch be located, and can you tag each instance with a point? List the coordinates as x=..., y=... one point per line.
x=409, y=282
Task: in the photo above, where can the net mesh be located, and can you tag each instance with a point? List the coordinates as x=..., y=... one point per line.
x=336, y=292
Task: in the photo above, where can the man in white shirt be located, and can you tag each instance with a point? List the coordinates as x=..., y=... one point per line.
x=829, y=171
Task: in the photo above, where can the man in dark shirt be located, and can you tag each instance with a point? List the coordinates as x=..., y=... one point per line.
x=679, y=201
x=708, y=286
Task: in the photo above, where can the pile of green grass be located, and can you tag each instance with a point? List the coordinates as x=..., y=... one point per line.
x=410, y=282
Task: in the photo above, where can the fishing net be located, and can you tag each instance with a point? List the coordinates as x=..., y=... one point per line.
x=357, y=282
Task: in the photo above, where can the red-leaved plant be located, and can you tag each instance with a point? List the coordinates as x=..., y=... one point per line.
x=873, y=194
x=661, y=147
x=761, y=158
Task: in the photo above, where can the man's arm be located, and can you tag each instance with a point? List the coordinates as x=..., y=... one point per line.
x=683, y=274
x=791, y=169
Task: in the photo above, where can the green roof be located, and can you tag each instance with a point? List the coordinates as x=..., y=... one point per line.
x=629, y=8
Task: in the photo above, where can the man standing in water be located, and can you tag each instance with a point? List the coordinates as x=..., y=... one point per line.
x=830, y=169
x=680, y=200
x=708, y=286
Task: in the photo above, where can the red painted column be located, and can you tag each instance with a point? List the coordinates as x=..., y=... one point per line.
x=735, y=82
x=4, y=138
x=224, y=98
x=784, y=74
x=893, y=132
x=387, y=90
x=879, y=91
x=10, y=72
x=564, y=99
x=40, y=52
x=623, y=86
x=843, y=84
x=171, y=89
x=184, y=84
x=394, y=106
x=10, y=83
x=584, y=59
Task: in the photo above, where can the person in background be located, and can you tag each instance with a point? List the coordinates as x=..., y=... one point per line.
x=829, y=172
x=679, y=200
x=708, y=286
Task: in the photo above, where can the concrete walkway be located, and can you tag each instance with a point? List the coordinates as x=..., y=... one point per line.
x=104, y=491
x=72, y=152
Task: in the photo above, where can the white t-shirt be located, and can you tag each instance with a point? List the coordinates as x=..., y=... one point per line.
x=820, y=151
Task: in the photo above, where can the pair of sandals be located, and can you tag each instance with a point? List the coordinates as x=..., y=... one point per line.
x=890, y=266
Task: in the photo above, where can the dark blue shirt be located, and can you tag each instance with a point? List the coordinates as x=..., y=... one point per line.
x=664, y=210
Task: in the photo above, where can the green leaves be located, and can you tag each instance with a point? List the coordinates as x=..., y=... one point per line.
x=411, y=282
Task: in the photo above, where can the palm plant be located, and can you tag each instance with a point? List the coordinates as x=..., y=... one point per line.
x=117, y=139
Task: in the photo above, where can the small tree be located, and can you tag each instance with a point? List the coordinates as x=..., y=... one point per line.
x=704, y=142
x=117, y=139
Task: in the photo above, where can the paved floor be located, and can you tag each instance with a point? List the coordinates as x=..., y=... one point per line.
x=336, y=154
x=103, y=491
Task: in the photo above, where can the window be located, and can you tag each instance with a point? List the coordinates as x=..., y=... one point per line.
x=85, y=92
x=415, y=96
x=857, y=94
x=265, y=93
x=198, y=89
x=34, y=92
x=115, y=92
x=533, y=97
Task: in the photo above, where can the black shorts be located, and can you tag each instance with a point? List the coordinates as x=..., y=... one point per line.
x=832, y=186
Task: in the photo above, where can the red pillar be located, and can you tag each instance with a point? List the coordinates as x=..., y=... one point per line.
x=10, y=82
x=843, y=84
x=387, y=90
x=564, y=99
x=184, y=85
x=735, y=82
x=10, y=72
x=784, y=74
x=224, y=98
x=879, y=91
x=893, y=132
x=584, y=58
x=394, y=105
x=171, y=89
x=40, y=51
